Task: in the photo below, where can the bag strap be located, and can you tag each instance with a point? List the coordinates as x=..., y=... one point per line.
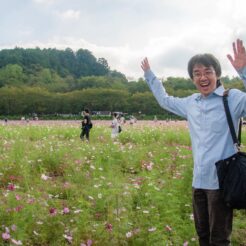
x=236, y=141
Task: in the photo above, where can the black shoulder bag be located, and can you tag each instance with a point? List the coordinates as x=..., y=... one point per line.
x=232, y=171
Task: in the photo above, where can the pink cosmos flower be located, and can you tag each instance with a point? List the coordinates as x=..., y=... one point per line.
x=68, y=237
x=5, y=236
x=52, y=211
x=30, y=200
x=66, y=210
x=18, y=197
x=44, y=177
x=185, y=243
x=11, y=187
x=89, y=242
x=18, y=208
x=13, y=227
x=109, y=227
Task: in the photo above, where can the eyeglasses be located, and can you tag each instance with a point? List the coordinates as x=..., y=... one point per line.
x=207, y=74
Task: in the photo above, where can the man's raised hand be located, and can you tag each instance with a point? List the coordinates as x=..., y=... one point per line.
x=239, y=60
x=145, y=64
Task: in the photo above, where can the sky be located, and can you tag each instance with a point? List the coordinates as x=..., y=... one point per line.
x=123, y=32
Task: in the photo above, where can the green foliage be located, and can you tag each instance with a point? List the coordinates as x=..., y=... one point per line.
x=51, y=81
x=133, y=191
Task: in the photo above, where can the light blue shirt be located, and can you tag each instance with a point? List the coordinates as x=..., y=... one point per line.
x=209, y=131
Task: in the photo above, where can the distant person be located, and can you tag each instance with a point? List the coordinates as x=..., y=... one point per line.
x=86, y=125
x=132, y=121
x=122, y=119
x=5, y=120
x=115, y=126
x=210, y=136
x=120, y=123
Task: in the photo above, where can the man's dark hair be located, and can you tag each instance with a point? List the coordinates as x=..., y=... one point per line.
x=87, y=110
x=207, y=60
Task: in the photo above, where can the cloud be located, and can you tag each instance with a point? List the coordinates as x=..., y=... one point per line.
x=69, y=14
x=125, y=31
x=44, y=1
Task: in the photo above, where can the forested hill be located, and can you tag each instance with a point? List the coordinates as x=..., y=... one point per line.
x=63, y=62
x=49, y=81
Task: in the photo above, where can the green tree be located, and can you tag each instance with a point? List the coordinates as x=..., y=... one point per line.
x=11, y=74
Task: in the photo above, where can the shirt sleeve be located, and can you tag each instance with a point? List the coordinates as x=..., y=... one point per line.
x=239, y=97
x=242, y=74
x=173, y=104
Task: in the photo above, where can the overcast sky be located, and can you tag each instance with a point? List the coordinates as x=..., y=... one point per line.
x=125, y=31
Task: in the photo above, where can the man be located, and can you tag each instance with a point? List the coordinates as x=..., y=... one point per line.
x=210, y=136
x=86, y=125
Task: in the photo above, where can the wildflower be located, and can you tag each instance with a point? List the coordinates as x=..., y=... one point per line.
x=78, y=211
x=18, y=208
x=44, y=177
x=185, y=243
x=17, y=197
x=151, y=229
x=66, y=210
x=89, y=242
x=149, y=166
x=13, y=227
x=129, y=234
x=109, y=227
x=5, y=236
x=168, y=228
x=145, y=211
x=15, y=242
x=30, y=200
x=68, y=237
x=52, y=211
x=11, y=187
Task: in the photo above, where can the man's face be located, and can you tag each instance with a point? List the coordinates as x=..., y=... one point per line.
x=204, y=78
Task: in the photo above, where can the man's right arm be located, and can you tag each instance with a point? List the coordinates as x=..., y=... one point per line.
x=173, y=104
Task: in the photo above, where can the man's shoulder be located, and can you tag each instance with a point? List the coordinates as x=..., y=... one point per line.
x=193, y=96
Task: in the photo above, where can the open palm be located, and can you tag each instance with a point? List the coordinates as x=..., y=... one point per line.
x=239, y=60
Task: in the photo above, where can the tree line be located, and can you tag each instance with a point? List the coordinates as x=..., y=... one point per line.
x=51, y=81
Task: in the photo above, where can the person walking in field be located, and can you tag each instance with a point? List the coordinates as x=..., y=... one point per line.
x=86, y=125
x=210, y=136
x=115, y=126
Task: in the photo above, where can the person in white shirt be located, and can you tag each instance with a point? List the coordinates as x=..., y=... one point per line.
x=115, y=126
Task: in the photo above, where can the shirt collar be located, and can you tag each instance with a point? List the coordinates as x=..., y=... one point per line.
x=218, y=91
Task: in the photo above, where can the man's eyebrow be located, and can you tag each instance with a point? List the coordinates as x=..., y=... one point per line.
x=206, y=68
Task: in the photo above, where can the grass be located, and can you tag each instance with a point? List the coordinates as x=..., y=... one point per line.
x=57, y=190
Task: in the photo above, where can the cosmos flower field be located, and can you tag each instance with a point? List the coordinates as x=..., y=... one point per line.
x=135, y=190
